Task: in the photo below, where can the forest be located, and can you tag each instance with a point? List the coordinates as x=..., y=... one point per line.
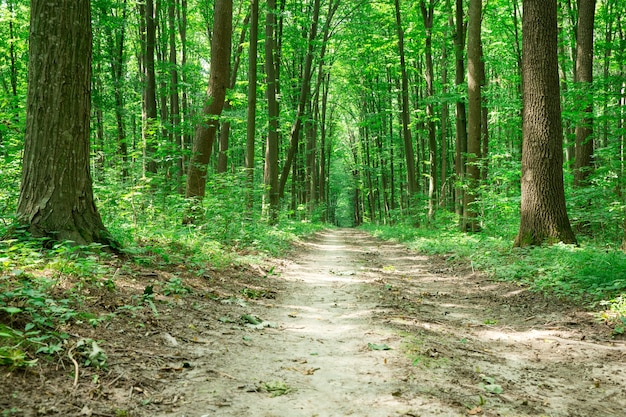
x=177, y=139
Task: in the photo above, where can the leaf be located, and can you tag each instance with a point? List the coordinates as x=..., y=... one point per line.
x=11, y=310
x=250, y=319
x=374, y=346
x=493, y=388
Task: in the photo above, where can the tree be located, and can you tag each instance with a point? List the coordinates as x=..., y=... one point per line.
x=469, y=221
x=584, y=78
x=543, y=212
x=251, y=107
x=216, y=94
x=406, y=132
x=56, y=197
x=271, y=149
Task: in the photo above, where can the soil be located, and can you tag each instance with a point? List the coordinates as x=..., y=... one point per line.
x=348, y=325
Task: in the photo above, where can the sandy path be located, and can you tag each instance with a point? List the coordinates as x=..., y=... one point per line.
x=460, y=345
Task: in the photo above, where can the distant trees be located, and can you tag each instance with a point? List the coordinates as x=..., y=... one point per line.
x=398, y=125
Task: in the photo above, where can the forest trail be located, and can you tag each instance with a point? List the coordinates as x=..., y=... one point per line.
x=460, y=344
x=308, y=336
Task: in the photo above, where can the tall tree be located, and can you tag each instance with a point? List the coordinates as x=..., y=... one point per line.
x=460, y=111
x=56, y=197
x=543, y=212
x=252, y=90
x=304, y=100
x=271, y=148
x=584, y=78
x=428, y=16
x=216, y=94
x=474, y=82
x=150, y=107
x=406, y=132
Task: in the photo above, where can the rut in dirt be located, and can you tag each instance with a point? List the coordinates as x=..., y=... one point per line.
x=367, y=328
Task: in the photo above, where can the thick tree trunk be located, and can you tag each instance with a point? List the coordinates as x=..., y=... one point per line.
x=56, y=197
x=584, y=77
x=216, y=94
x=543, y=213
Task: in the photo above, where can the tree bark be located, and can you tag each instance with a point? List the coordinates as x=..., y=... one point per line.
x=543, y=212
x=56, y=196
x=216, y=94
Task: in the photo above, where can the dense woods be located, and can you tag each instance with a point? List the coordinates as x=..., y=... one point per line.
x=191, y=136
x=356, y=112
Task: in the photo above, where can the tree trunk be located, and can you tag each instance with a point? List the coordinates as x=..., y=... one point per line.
x=174, y=98
x=427, y=16
x=150, y=107
x=543, y=212
x=271, y=149
x=406, y=132
x=584, y=77
x=216, y=93
x=222, y=157
x=251, y=108
x=305, y=93
x=470, y=221
x=461, y=117
x=56, y=197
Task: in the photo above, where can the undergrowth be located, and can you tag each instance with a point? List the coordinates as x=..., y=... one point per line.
x=45, y=291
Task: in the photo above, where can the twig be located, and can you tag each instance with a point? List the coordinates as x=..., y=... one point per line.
x=69, y=355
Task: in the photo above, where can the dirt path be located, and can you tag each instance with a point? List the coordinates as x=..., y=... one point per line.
x=460, y=345
x=311, y=339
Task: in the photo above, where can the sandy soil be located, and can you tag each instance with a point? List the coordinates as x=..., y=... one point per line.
x=349, y=326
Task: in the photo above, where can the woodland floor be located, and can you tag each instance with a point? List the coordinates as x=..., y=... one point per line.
x=459, y=344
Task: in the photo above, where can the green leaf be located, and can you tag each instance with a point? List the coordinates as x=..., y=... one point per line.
x=374, y=346
x=11, y=310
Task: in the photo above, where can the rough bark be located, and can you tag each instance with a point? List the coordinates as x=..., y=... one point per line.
x=56, y=196
x=543, y=212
